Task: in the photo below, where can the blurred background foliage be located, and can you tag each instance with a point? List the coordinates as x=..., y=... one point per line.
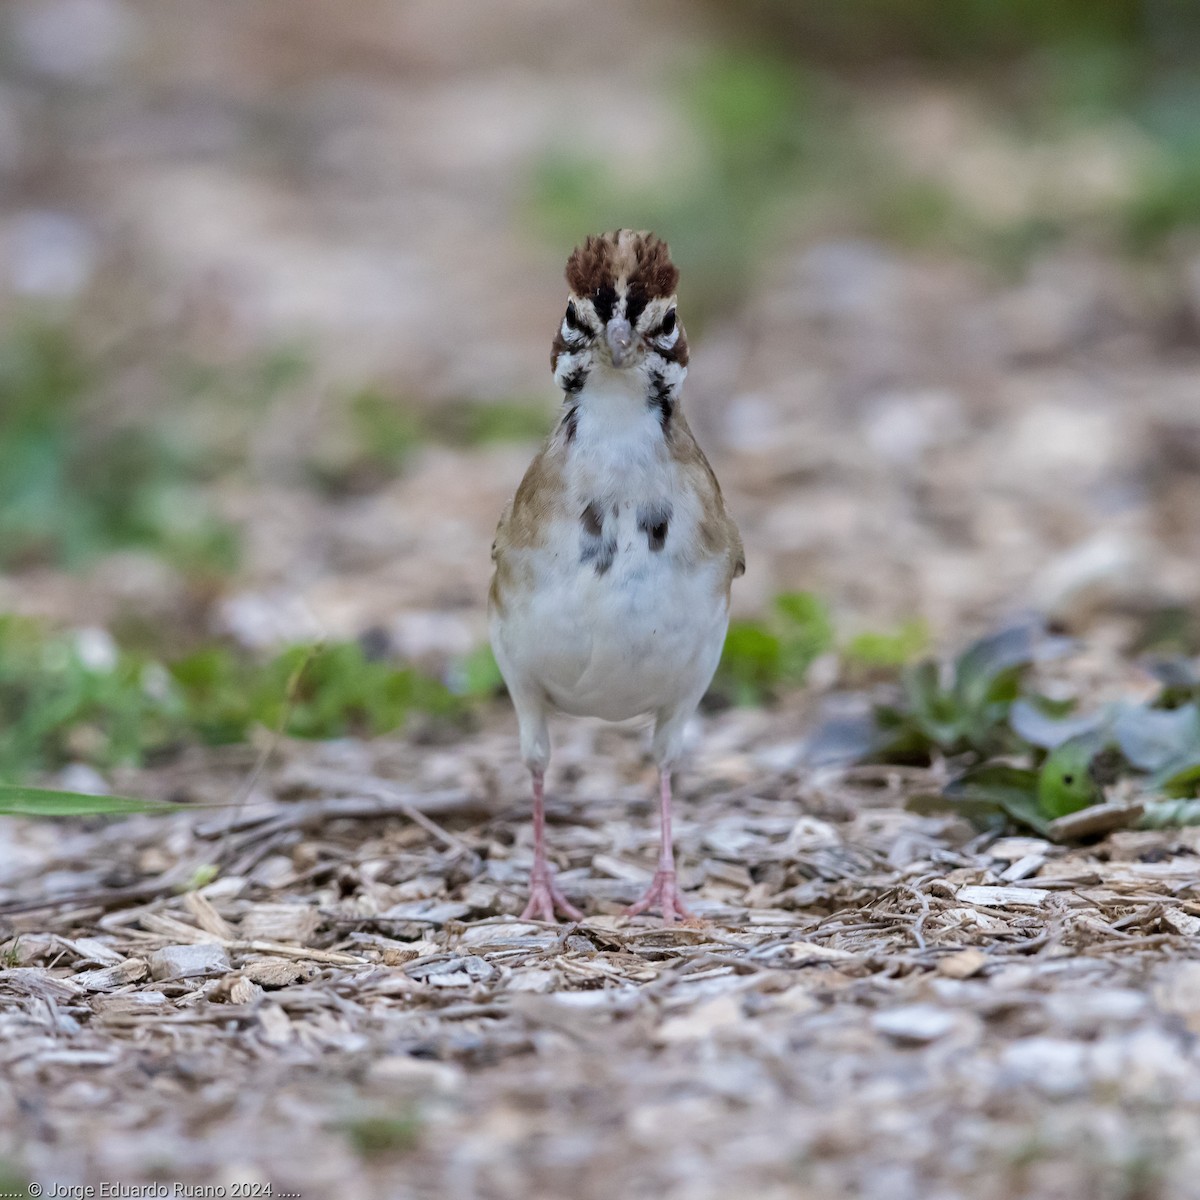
x=74, y=485
x=271, y=318
x=785, y=106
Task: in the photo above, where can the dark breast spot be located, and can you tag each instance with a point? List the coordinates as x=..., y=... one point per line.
x=653, y=520
x=594, y=546
x=573, y=381
x=592, y=521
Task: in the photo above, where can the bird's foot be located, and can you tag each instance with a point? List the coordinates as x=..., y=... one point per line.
x=664, y=892
x=546, y=899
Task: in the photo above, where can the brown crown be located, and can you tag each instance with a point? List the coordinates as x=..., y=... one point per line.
x=639, y=258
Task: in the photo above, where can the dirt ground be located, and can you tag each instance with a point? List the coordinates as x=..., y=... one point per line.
x=876, y=1003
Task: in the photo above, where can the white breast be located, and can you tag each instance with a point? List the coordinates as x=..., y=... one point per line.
x=643, y=634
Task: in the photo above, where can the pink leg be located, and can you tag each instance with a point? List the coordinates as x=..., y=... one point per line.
x=664, y=891
x=545, y=896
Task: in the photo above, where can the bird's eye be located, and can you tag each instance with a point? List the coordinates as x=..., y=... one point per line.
x=572, y=317
x=668, y=322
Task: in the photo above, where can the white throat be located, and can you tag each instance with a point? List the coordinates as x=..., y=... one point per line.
x=613, y=396
x=619, y=434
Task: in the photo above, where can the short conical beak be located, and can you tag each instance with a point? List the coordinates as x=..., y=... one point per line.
x=620, y=340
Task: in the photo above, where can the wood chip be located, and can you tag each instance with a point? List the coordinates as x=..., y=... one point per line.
x=333, y=957
x=37, y=981
x=91, y=949
x=276, y=1025
x=237, y=989
x=207, y=917
x=276, y=972
x=914, y=1022
x=702, y=1021
x=1002, y=897
x=1181, y=922
x=962, y=964
x=188, y=961
x=1030, y=864
x=813, y=952
x=104, y=979
x=279, y=923
x=1099, y=818
x=1011, y=849
x=123, y=1003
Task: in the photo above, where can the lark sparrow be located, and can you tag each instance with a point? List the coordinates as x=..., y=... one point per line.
x=614, y=560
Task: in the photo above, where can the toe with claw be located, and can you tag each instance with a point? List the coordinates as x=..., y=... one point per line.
x=663, y=892
x=546, y=900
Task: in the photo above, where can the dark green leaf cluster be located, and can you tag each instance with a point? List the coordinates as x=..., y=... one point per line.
x=961, y=707
x=1029, y=759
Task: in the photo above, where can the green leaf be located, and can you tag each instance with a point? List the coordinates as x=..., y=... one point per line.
x=478, y=674
x=1179, y=678
x=750, y=662
x=1152, y=738
x=380, y=1135
x=1066, y=783
x=1177, y=779
x=805, y=633
x=889, y=649
x=201, y=877
x=43, y=802
x=936, y=711
x=984, y=814
x=988, y=669
x=1035, y=721
x=1004, y=788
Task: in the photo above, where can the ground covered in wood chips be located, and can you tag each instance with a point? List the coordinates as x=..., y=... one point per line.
x=875, y=1003
x=312, y=979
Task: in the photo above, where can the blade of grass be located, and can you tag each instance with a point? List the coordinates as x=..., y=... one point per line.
x=18, y=801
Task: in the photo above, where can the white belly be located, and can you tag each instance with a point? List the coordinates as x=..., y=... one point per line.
x=642, y=637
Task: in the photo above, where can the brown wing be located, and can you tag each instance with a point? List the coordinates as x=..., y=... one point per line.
x=524, y=518
x=719, y=534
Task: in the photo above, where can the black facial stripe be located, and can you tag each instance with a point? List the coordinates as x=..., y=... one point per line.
x=594, y=547
x=635, y=303
x=652, y=520
x=664, y=327
x=572, y=317
x=604, y=300
x=660, y=398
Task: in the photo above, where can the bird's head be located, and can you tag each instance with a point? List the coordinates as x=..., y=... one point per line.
x=621, y=313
